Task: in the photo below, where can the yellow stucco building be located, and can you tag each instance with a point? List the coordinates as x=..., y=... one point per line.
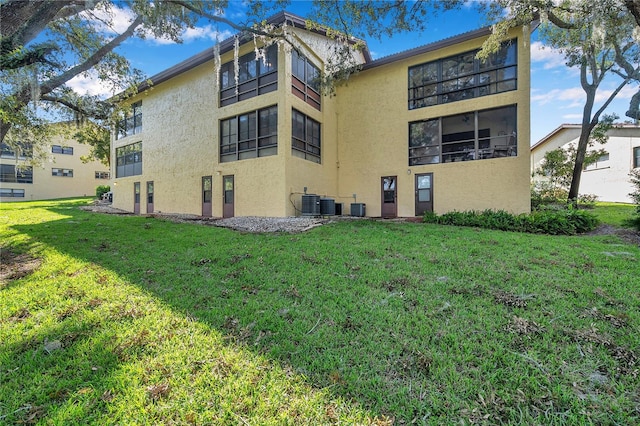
x=429, y=129
x=56, y=172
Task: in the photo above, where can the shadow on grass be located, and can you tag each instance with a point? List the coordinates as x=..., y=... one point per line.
x=398, y=332
x=234, y=283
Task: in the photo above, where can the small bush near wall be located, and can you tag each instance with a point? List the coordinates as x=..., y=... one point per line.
x=545, y=221
x=635, y=195
x=102, y=189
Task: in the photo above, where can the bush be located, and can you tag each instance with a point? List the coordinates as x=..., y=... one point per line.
x=635, y=195
x=102, y=189
x=587, y=201
x=544, y=193
x=552, y=221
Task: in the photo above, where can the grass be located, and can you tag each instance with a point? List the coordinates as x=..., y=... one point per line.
x=134, y=320
x=616, y=214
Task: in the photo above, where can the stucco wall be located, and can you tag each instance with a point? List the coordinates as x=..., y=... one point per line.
x=374, y=119
x=608, y=180
x=364, y=136
x=46, y=187
x=180, y=145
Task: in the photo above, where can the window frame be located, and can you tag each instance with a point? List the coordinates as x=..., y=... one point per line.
x=102, y=175
x=131, y=124
x=129, y=160
x=12, y=193
x=636, y=157
x=306, y=137
x=454, y=78
x=250, y=135
x=60, y=172
x=441, y=146
x=25, y=151
x=9, y=173
x=305, y=80
x=257, y=76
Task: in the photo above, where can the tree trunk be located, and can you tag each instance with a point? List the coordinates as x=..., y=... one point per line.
x=588, y=124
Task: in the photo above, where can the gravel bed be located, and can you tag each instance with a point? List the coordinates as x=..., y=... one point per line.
x=270, y=224
x=243, y=224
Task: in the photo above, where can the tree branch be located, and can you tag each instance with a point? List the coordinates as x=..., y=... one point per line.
x=610, y=99
x=73, y=106
x=58, y=81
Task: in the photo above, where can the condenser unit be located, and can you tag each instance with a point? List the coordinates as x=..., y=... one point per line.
x=310, y=205
x=327, y=206
x=358, y=209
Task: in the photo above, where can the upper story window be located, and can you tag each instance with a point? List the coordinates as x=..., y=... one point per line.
x=103, y=175
x=57, y=149
x=129, y=160
x=9, y=173
x=305, y=137
x=305, y=81
x=250, y=135
x=475, y=135
x=462, y=77
x=601, y=163
x=636, y=157
x=132, y=123
x=255, y=76
x=62, y=172
x=21, y=150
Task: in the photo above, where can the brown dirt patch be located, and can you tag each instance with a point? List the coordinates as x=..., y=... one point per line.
x=14, y=266
x=627, y=234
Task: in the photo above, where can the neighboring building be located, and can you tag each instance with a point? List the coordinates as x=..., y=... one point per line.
x=429, y=129
x=608, y=178
x=62, y=174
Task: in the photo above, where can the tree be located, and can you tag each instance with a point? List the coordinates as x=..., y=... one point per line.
x=44, y=44
x=596, y=37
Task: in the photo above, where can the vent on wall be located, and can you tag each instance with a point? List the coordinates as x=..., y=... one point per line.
x=310, y=205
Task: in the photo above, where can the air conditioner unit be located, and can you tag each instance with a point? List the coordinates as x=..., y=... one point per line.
x=310, y=205
x=327, y=207
x=358, y=209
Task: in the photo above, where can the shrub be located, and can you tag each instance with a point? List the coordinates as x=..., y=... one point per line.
x=544, y=193
x=635, y=195
x=554, y=221
x=102, y=189
x=587, y=201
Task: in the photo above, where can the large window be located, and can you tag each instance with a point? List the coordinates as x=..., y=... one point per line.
x=250, y=135
x=463, y=77
x=132, y=123
x=11, y=193
x=58, y=149
x=20, y=150
x=62, y=172
x=305, y=81
x=636, y=157
x=305, y=141
x=255, y=76
x=129, y=160
x=473, y=135
x=9, y=173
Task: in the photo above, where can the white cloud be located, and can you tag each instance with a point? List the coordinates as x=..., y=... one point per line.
x=551, y=58
x=572, y=117
x=89, y=85
x=575, y=96
x=115, y=20
x=208, y=32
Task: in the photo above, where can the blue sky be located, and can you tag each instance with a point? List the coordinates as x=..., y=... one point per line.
x=556, y=95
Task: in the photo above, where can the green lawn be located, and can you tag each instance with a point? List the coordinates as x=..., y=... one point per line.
x=616, y=214
x=132, y=320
